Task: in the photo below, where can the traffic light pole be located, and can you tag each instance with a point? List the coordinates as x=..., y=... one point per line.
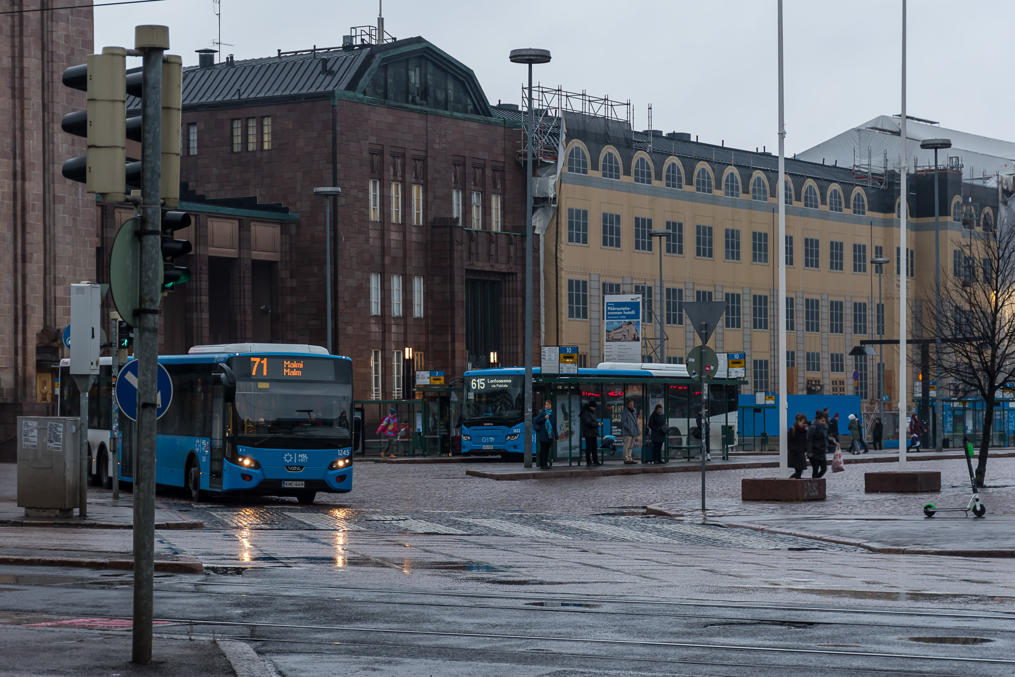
x=152, y=41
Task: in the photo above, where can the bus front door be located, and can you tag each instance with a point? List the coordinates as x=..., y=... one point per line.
x=217, y=455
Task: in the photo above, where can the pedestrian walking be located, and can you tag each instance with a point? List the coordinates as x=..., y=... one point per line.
x=797, y=445
x=546, y=426
x=590, y=432
x=916, y=430
x=877, y=433
x=856, y=441
x=704, y=430
x=629, y=430
x=657, y=428
x=833, y=428
x=817, y=445
x=389, y=429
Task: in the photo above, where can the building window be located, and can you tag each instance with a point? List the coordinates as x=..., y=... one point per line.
x=417, y=204
x=881, y=319
x=731, y=185
x=834, y=200
x=645, y=290
x=396, y=202
x=731, y=244
x=988, y=271
x=192, y=138
x=957, y=211
x=610, y=289
x=674, y=178
x=759, y=247
x=397, y=362
x=759, y=191
x=787, y=191
x=374, y=192
x=237, y=135
x=577, y=161
x=496, y=213
x=732, y=314
x=860, y=317
x=909, y=261
x=703, y=241
x=577, y=225
x=642, y=238
x=835, y=317
x=859, y=258
x=703, y=181
x=702, y=296
x=956, y=264
x=812, y=315
x=837, y=362
x=251, y=134
x=417, y=296
x=456, y=204
x=813, y=361
x=759, y=312
x=611, y=166
x=859, y=204
x=266, y=132
x=642, y=171
x=760, y=373
x=375, y=293
x=396, y=296
x=674, y=306
x=835, y=250
x=577, y=299
x=811, y=252
x=611, y=230
x=477, y=210
x=375, y=374
x=810, y=197
x=675, y=242
x=790, y=313
x=791, y=358
x=789, y=250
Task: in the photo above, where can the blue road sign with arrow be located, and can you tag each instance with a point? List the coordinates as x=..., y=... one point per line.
x=126, y=391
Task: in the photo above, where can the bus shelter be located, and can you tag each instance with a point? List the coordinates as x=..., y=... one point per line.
x=427, y=425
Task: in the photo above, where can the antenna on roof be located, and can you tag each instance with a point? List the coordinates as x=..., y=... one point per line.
x=380, y=22
x=650, y=128
x=217, y=4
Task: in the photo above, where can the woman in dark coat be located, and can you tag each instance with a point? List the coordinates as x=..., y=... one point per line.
x=817, y=445
x=590, y=432
x=545, y=425
x=798, y=446
x=657, y=428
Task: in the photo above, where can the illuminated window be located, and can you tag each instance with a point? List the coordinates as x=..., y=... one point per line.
x=417, y=204
x=375, y=200
x=375, y=374
x=237, y=135
x=396, y=202
x=266, y=132
x=251, y=134
x=397, y=362
x=496, y=213
x=477, y=209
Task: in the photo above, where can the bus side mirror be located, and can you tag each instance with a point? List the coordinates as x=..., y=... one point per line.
x=228, y=380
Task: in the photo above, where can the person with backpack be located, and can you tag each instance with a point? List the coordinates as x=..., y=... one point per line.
x=389, y=429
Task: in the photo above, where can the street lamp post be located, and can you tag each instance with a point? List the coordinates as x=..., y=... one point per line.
x=937, y=144
x=528, y=56
x=328, y=192
x=880, y=261
x=664, y=238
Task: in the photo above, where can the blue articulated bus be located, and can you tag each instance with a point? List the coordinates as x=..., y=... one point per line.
x=492, y=414
x=260, y=418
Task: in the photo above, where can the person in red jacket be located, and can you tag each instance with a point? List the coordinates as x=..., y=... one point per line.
x=389, y=429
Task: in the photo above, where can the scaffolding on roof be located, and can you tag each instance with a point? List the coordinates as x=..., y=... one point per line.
x=548, y=107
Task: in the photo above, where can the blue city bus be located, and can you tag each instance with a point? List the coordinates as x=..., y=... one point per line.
x=259, y=418
x=492, y=414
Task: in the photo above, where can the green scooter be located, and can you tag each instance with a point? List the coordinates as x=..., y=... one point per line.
x=974, y=505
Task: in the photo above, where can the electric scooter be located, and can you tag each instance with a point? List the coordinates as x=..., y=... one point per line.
x=975, y=506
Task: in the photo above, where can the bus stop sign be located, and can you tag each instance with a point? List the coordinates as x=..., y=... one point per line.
x=126, y=391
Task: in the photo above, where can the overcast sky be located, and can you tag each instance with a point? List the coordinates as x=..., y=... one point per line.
x=708, y=68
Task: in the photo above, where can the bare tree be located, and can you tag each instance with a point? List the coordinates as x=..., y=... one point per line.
x=978, y=324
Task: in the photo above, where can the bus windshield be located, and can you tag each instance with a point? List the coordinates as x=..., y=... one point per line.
x=493, y=398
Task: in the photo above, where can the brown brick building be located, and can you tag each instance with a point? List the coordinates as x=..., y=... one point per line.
x=427, y=244
x=47, y=224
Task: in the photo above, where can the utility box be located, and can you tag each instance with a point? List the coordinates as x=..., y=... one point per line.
x=85, y=331
x=48, y=465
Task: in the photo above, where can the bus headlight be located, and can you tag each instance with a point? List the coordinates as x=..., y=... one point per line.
x=248, y=462
x=467, y=437
x=340, y=463
x=512, y=436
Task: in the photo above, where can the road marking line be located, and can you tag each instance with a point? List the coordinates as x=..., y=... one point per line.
x=621, y=533
x=417, y=526
x=515, y=529
x=322, y=521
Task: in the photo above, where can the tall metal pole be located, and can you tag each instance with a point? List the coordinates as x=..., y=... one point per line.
x=662, y=328
x=903, y=257
x=783, y=408
x=152, y=41
x=881, y=355
x=937, y=311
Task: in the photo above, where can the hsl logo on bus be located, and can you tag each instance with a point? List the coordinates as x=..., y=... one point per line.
x=291, y=458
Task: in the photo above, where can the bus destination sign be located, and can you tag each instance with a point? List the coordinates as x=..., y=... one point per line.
x=283, y=368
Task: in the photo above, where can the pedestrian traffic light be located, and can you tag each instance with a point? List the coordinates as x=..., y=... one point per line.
x=125, y=335
x=172, y=274
x=104, y=169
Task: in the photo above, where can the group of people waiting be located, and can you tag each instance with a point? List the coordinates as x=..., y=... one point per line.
x=812, y=441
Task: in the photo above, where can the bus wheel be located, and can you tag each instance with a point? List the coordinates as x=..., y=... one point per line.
x=193, y=480
x=306, y=497
x=102, y=470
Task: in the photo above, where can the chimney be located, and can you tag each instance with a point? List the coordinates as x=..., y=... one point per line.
x=206, y=57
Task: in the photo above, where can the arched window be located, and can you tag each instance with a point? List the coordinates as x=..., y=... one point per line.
x=810, y=197
x=957, y=211
x=642, y=171
x=859, y=204
x=703, y=181
x=987, y=221
x=759, y=191
x=611, y=166
x=674, y=178
x=731, y=185
x=787, y=193
x=577, y=161
x=834, y=200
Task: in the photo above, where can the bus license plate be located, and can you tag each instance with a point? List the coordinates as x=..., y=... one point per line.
x=292, y=484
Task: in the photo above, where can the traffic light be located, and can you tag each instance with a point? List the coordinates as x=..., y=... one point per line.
x=104, y=168
x=172, y=274
x=125, y=335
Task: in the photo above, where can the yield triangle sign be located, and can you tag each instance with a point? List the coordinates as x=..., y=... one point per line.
x=704, y=316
